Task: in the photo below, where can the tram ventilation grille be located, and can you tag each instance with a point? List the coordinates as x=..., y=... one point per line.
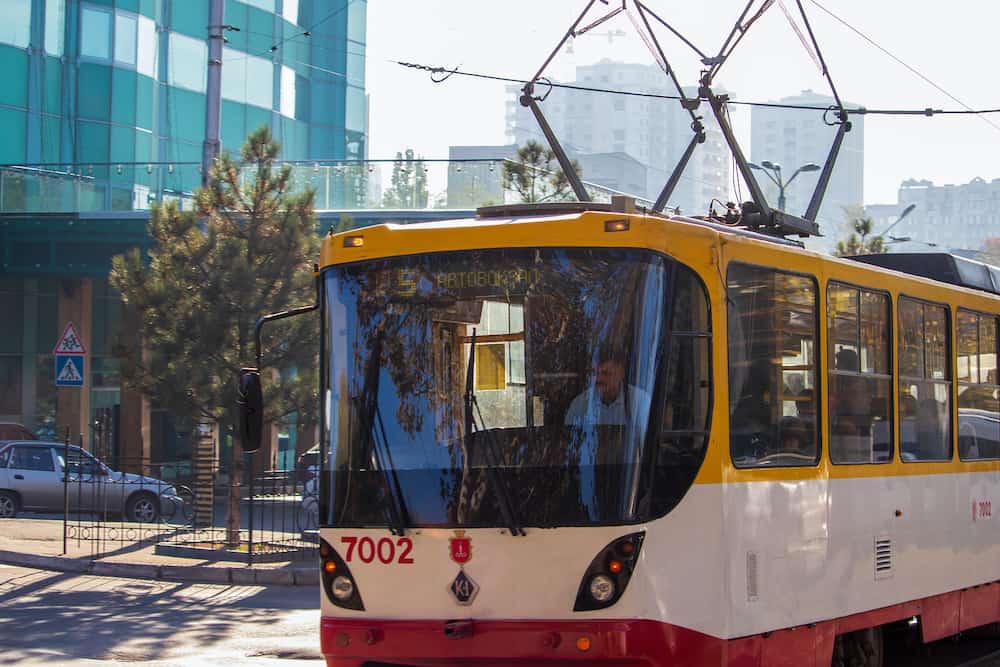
x=883, y=557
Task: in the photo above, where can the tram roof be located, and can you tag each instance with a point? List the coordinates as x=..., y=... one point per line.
x=940, y=266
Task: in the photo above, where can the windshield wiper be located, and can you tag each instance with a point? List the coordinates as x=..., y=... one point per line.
x=492, y=474
x=373, y=415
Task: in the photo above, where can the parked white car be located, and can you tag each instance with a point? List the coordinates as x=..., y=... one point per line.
x=34, y=476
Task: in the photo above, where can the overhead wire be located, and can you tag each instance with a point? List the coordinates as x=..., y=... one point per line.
x=663, y=96
x=915, y=71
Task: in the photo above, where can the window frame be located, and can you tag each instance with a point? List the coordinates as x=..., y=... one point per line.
x=819, y=360
x=27, y=446
x=949, y=355
x=892, y=374
x=980, y=315
x=110, y=42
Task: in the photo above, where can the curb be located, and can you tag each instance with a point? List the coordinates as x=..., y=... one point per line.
x=243, y=576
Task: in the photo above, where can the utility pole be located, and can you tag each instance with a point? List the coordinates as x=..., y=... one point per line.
x=213, y=98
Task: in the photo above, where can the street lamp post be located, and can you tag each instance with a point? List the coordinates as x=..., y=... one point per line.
x=773, y=171
x=905, y=212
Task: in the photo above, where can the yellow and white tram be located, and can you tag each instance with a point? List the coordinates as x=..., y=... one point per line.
x=586, y=434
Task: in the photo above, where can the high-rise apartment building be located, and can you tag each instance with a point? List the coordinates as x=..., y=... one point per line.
x=792, y=138
x=654, y=132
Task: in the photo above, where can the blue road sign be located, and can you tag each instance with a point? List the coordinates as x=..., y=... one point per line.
x=69, y=370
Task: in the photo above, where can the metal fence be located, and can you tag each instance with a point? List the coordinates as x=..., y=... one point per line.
x=183, y=509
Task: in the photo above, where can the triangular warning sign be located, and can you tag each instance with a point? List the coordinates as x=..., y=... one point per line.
x=69, y=342
x=69, y=373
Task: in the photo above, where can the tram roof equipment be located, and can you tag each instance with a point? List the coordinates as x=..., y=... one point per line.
x=941, y=266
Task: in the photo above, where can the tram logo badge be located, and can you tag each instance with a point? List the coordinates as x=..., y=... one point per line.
x=463, y=589
x=460, y=547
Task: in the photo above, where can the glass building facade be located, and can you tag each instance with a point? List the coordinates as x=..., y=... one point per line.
x=102, y=113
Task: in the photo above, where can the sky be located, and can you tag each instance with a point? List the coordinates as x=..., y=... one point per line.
x=949, y=43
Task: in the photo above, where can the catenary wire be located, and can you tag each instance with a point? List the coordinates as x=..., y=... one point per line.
x=662, y=96
x=912, y=69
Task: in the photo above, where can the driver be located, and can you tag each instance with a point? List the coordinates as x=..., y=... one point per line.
x=610, y=401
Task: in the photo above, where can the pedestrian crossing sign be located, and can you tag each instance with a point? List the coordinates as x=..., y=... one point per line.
x=69, y=370
x=69, y=342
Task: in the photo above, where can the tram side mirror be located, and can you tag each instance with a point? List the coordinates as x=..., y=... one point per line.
x=251, y=409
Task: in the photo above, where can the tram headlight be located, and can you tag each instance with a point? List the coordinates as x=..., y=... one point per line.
x=608, y=575
x=338, y=583
x=602, y=588
x=343, y=588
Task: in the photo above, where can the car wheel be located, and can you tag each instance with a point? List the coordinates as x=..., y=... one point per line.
x=8, y=505
x=142, y=508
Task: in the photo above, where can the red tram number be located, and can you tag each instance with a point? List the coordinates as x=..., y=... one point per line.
x=385, y=550
x=982, y=509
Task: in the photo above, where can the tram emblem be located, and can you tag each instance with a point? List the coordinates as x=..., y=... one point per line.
x=460, y=547
x=463, y=589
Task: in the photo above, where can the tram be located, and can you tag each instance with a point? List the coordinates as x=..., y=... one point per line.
x=587, y=434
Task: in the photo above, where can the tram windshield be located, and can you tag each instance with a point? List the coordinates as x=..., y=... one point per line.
x=499, y=388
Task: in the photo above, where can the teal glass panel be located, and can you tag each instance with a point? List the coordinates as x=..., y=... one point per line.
x=94, y=86
x=286, y=103
x=123, y=96
x=290, y=10
x=143, y=146
x=144, y=101
x=130, y=5
x=303, y=93
x=52, y=102
x=14, y=65
x=55, y=26
x=261, y=31
x=187, y=62
x=121, y=198
x=356, y=20
x=125, y=38
x=147, y=8
x=255, y=118
x=236, y=14
x=290, y=147
x=147, y=47
x=51, y=131
x=143, y=153
x=15, y=135
x=15, y=28
x=122, y=148
x=186, y=115
x=193, y=19
x=92, y=141
x=356, y=65
x=356, y=111
x=95, y=33
x=266, y=5
x=234, y=123
x=301, y=132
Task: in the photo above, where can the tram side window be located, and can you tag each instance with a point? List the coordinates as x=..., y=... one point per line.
x=860, y=376
x=978, y=391
x=924, y=382
x=772, y=367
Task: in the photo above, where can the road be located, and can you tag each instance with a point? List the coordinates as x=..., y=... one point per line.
x=51, y=618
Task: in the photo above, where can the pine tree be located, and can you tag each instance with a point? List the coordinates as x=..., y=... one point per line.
x=535, y=175
x=246, y=251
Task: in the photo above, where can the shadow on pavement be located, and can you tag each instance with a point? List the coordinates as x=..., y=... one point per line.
x=65, y=616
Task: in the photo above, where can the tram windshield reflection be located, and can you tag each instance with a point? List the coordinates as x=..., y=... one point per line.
x=457, y=379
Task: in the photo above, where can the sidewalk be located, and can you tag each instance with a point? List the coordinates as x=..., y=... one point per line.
x=38, y=543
